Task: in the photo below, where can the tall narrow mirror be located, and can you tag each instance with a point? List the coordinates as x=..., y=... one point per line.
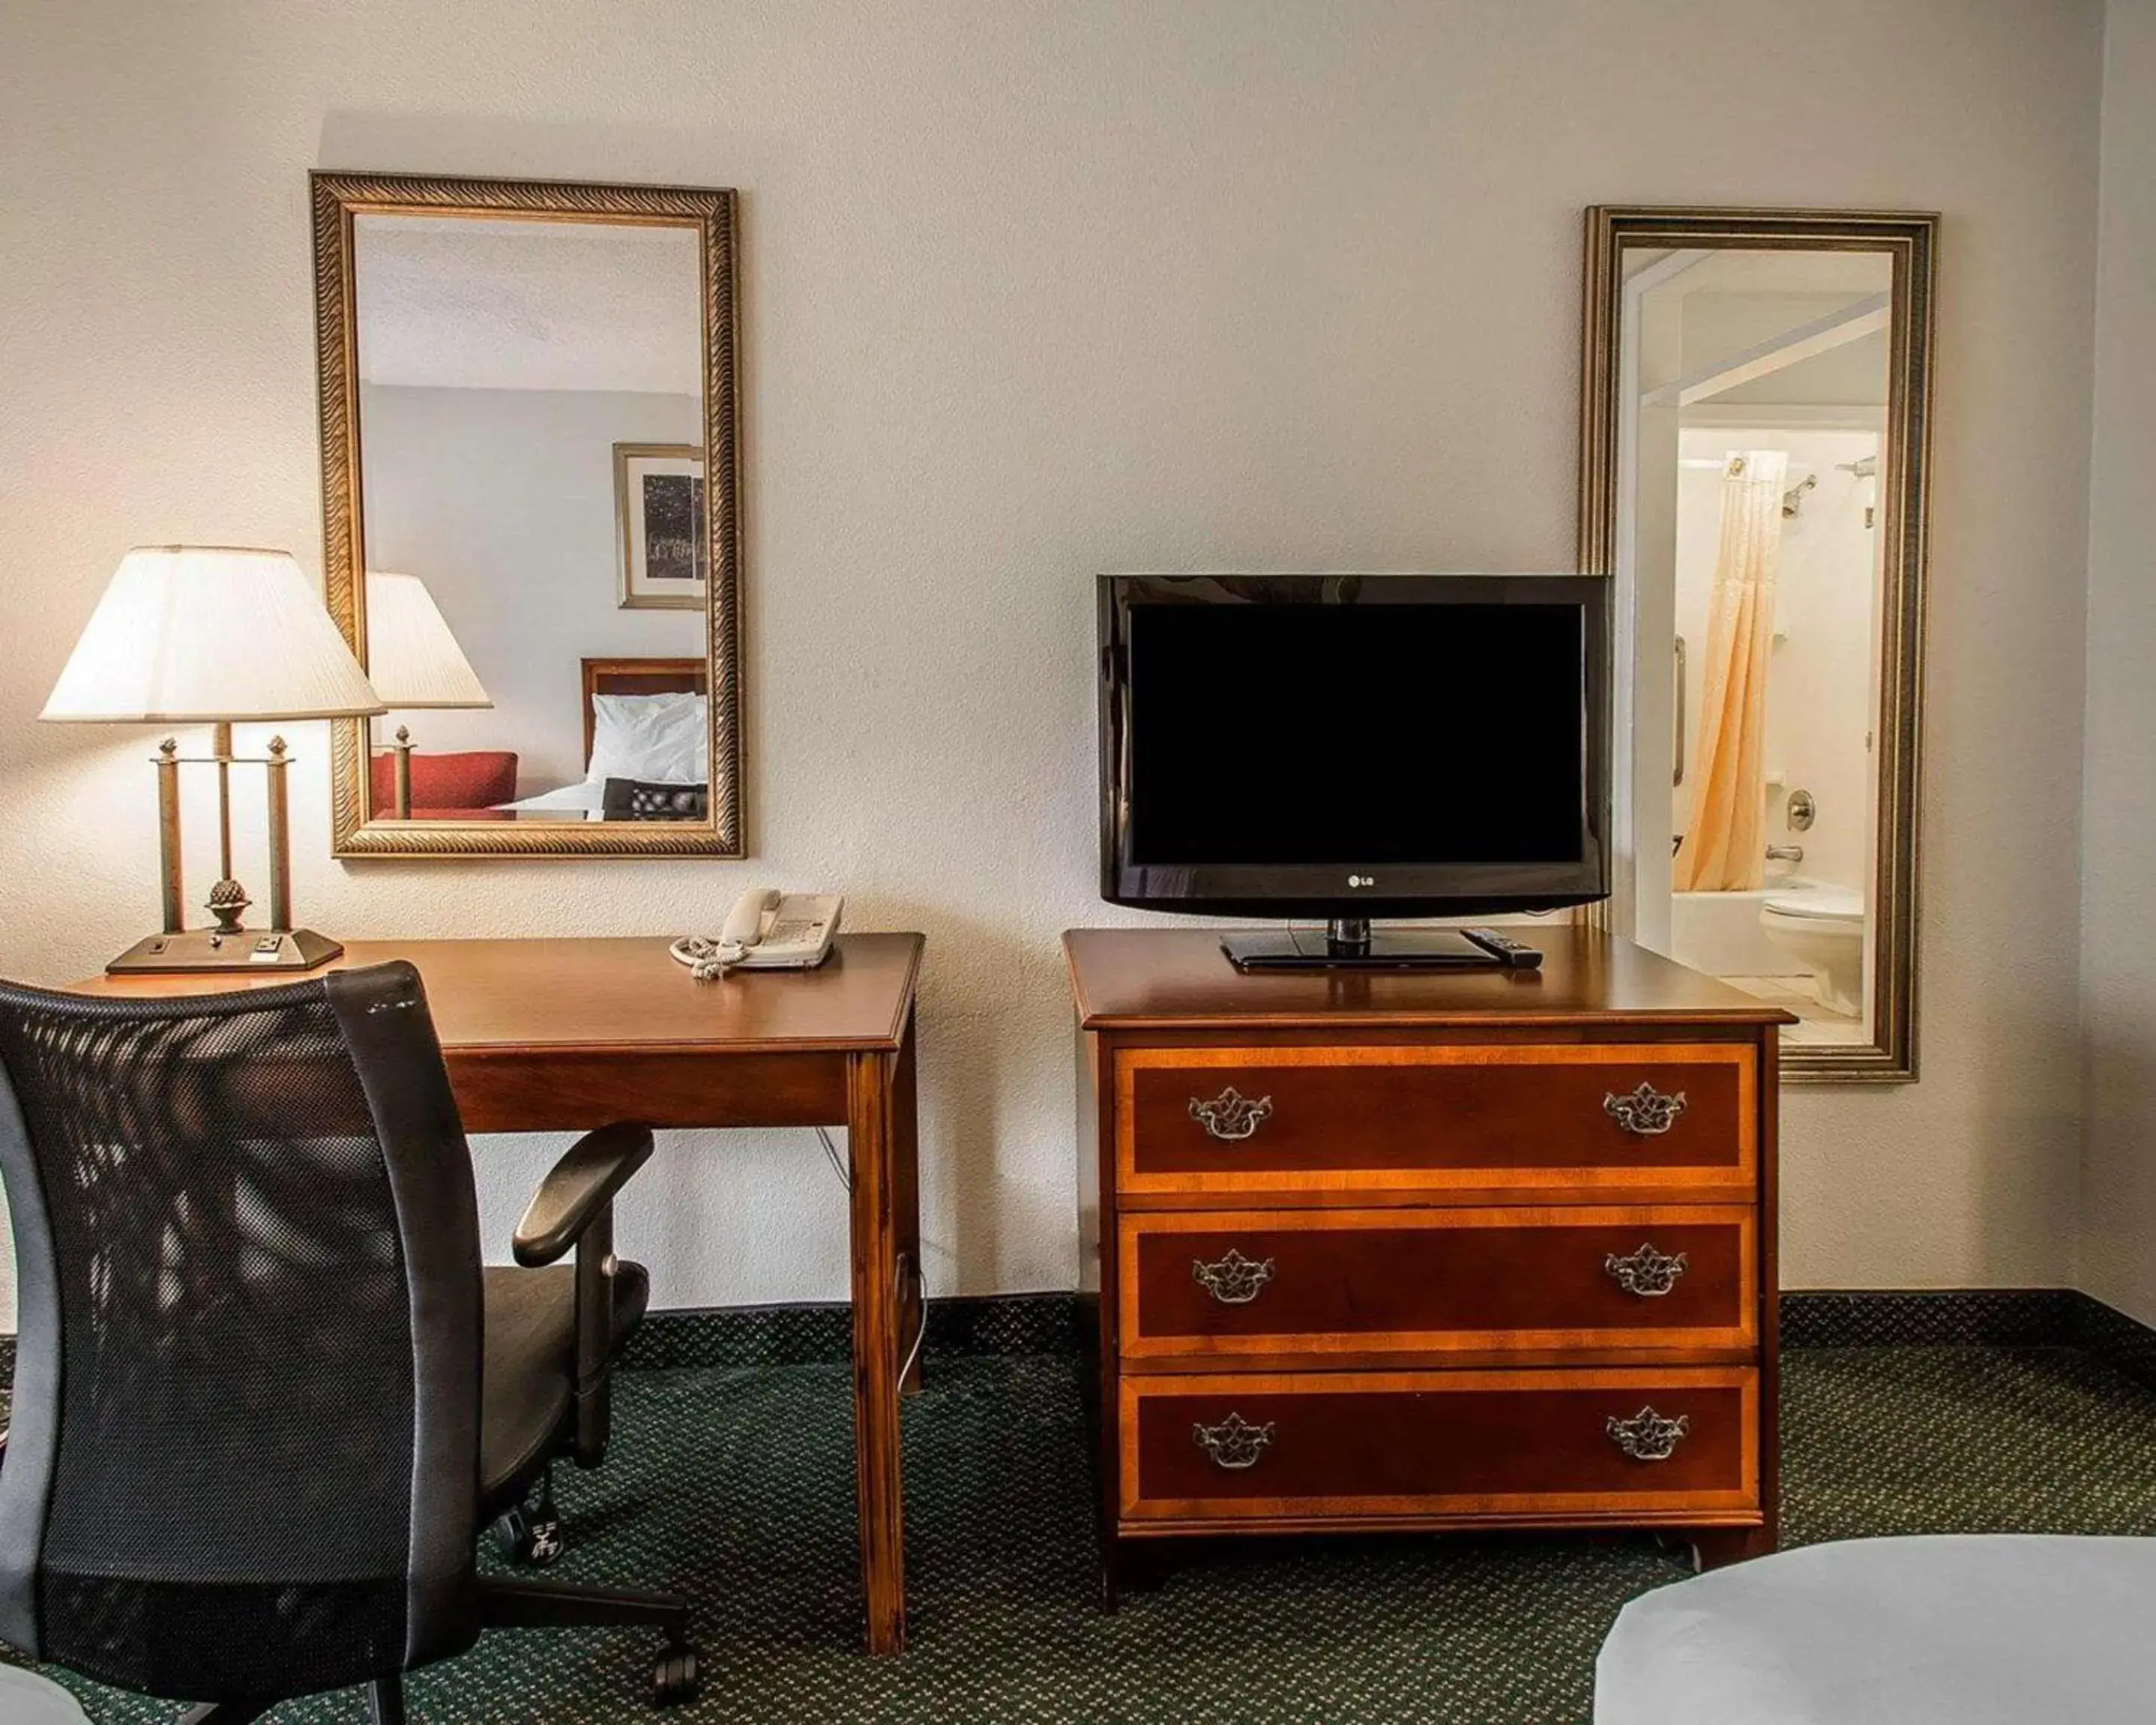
x=530, y=488
x=1755, y=436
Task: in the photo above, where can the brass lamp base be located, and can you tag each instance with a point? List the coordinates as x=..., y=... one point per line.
x=228, y=948
x=210, y=952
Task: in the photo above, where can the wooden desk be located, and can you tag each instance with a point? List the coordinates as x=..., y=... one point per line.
x=562, y=1035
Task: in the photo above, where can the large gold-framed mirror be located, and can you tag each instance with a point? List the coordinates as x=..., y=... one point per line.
x=530, y=490
x=1755, y=442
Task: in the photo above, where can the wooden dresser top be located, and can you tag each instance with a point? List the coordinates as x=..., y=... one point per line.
x=1179, y=978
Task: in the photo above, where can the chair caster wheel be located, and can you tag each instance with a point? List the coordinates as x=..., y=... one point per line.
x=675, y=1678
x=531, y=1539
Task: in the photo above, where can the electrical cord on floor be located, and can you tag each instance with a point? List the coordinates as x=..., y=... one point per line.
x=920, y=1307
x=906, y=1262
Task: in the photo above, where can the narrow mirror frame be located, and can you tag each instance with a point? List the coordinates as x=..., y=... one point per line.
x=338, y=198
x=1910, y=240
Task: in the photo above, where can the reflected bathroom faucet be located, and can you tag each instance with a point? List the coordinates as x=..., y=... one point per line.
x=1785, y=853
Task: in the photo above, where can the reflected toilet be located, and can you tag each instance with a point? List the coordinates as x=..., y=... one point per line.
x=1822, y=928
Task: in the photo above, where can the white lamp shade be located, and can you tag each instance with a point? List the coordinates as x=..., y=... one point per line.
x=411, y=659
x=193, y=634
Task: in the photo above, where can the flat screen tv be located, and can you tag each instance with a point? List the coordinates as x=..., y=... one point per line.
x=1352, y=747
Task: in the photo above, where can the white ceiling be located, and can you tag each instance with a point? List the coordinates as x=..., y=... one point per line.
x=1854, y=274
x=1733, y=300
x=454, y=303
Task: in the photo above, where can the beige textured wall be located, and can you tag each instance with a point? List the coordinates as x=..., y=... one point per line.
x=2119, y=1202
x=1033, y=290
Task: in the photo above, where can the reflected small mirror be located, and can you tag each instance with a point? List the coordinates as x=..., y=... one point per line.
x=530, y=546
x=1754, y=485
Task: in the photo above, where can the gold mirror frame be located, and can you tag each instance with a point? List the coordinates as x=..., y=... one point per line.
x=338, y=198
x=1910, y=241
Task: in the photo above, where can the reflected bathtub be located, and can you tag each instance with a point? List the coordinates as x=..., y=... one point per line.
x=1719, y=932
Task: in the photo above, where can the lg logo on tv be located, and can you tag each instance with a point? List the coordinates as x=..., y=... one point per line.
x=1362, y=879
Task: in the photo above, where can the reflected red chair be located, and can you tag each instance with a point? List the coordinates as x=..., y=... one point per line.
x=451, y=786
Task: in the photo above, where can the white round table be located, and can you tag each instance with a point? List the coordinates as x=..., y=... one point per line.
x=2000, y=1628
x=28, y=1699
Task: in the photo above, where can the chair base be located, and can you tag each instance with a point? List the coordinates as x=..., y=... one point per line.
x=546, y=1603
x=385, y=1706
x=676, y=1676
x=529, y=1535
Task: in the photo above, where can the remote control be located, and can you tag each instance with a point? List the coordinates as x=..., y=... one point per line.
x=1510, y=953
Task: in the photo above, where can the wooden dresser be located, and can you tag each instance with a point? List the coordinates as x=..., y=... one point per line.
x=1464, y=1249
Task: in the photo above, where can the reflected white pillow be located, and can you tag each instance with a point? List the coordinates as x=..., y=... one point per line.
x=656, y=739
x=563, y=799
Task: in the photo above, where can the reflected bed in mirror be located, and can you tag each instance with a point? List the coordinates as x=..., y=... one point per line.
x=1755, y=446
x=531, y=470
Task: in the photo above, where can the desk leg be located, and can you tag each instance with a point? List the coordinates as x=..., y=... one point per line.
x=877, y=1144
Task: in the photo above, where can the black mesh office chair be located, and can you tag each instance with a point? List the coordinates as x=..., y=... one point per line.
x=255, y=1433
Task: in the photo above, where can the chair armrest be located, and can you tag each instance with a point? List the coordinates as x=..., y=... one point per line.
x=577, y=1189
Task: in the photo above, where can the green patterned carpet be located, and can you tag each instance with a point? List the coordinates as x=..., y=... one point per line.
x=737, y=1486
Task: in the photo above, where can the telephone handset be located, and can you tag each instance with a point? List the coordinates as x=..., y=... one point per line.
x=765, y=930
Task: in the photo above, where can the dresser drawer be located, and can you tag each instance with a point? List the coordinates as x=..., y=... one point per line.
x=1570, y=1119
x=1352, y=1282
x=1560, y=1447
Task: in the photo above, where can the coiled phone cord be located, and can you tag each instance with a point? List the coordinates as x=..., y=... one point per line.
x=706, y=959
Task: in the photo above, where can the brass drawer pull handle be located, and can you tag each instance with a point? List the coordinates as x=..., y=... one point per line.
x=1648, y=1273
x=1231, y=1117
x=1234, y=1279
x=1646, y=1112
x=1234, y=1443
x=1647, y=1436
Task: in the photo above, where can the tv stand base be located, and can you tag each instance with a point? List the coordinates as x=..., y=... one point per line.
x=1353, y=945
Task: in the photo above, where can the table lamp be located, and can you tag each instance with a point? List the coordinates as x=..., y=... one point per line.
x=214, y=634
x=413, y=661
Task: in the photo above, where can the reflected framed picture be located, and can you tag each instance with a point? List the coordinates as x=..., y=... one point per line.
x=658, y=501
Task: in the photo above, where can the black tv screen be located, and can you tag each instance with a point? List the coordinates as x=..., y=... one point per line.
x=1353, y=746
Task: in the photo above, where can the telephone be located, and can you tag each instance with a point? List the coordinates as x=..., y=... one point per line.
x=765, y=930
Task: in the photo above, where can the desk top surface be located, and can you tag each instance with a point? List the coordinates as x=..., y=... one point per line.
x=496, y=995
x=1179, y=978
